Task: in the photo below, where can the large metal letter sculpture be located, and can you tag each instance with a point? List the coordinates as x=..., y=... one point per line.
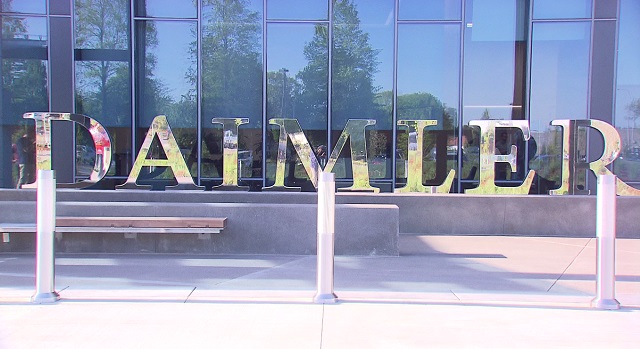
x=174, y=160
x=570, y=157
x=230, y=152
x=571, y=162
x=488, y=157
x=99, y=134
x=290, y=128
x=355, y=131
x=415, y=159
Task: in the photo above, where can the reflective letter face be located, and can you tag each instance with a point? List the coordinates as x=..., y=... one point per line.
x=290, y=128
x=100, y=137
x=571, y=162
x=160, y=127
x=488, y=157
x=230, y=152
x=355, y=130
x=415, y=158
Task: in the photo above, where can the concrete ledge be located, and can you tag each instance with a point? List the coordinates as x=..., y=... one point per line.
x=361, y=229
x=435, y=214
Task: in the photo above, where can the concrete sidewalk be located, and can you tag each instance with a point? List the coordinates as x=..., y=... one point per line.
x=442, y=292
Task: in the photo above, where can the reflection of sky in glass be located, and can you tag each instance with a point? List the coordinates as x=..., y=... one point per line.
x=549, y=9
x=26, y=6
x=298, y=9
x=378, y=22
x=490, y=59
x=430, y=10
x=492, y=20
x=285, y=46
x=174, y=57
x=252, y=5
x=429, y=60
x=559, y=72
x=628, y=77
x=35, y=28
x=170, y=8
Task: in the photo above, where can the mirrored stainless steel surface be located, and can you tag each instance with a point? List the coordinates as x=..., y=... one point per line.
x=160, y=128
x=230, y=151
x=488, y=157
x=415, y=160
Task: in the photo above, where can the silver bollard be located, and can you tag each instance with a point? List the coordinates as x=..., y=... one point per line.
x=326, y=225
x=45, y=234
x=606, y=244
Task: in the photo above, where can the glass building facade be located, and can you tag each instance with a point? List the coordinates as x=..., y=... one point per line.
x=321, y=62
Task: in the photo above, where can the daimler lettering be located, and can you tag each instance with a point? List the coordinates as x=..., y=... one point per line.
x=354, y=132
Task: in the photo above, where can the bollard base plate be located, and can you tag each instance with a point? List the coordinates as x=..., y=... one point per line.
x=50, y=297
x=606, y=304
x=326, y=298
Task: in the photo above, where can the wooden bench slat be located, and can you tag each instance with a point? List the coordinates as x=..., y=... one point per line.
x=142, y=222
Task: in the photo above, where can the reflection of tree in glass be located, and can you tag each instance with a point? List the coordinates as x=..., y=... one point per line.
x=634, y=109
x=311, y=103
x=354, y=62
x=282, y=93
x=24, y=86
x=231, y=60
x=231, y=71
x=103, y=86
x=425, y=106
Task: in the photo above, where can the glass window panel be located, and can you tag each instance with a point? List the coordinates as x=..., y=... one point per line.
x=495, y=46
x=167, y=60
x=297, y=77
x=627, y=116
x=559, y=86
x=430, y=10
x=232, y=83
x=103, y=81
x=428, y=88
x=495, y=54
x=166, y=8
x=102, y=24
x=24, y=89
x=554, y=9
x=362, y=81
x=24, y=6
x=298, y=10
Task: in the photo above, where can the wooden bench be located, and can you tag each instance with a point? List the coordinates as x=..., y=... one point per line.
x=130, y=226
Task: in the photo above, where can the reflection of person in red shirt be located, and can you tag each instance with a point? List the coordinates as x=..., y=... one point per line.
x=101, y=141
x=100, y=138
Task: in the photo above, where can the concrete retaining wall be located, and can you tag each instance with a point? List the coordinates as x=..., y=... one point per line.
x=284, y=222
x=361, y=229
x=437, y=214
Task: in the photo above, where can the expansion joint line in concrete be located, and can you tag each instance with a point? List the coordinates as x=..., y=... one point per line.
x=455, y=295
x=570, y=264
x=322, y=326
x=189, y=295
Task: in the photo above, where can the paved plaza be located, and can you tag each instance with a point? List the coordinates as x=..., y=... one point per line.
x=442, y=292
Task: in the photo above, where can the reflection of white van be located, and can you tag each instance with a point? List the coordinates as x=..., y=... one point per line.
x=245, y=163
x=85, y=160
x=452, y=152
x=85, y=155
